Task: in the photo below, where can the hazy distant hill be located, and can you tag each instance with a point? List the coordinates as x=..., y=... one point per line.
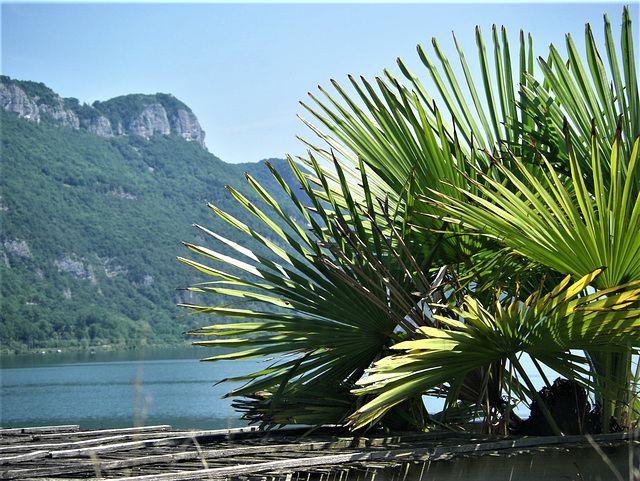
x=92, y=224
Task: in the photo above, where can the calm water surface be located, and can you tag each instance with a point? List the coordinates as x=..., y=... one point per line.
x=127, y=388
x=119, y=389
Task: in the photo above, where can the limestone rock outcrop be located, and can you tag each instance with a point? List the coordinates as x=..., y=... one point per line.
x=100, y=126
x=187, y=126
x=152, y=120
x=14, y=100
x=63, y=117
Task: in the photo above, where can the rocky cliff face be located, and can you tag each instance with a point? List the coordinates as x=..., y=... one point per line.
x=101, y=126
x=144, y=115
x=14, y=100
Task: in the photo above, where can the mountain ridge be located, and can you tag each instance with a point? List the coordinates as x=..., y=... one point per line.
x=134, y=114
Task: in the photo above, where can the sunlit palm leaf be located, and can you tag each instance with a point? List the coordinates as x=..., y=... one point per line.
x=567, y=230
x=571, y=230
x=400, y=135
x=546, y=327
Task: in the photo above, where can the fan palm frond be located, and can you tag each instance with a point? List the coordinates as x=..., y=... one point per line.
x=545, y=326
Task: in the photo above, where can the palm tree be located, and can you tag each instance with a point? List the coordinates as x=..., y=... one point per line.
x=569, y=232
x=414, y=224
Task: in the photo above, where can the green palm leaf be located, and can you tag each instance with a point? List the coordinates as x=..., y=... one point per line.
x=582, y=95
x=399, y=135
x=558, y=226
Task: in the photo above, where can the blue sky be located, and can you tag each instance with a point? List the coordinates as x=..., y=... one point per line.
x=243, y=67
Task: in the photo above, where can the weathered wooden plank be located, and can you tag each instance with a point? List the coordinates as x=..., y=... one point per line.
x=17, y=443
x=96, y=450
x=192, y=437
x=78, y=444
x=23, y=457
x=40, y=429
x=49, y=471
x=122, y=446
x=132, y=435
x=381, y=459
x=526, y=442
x=209, y=456
x=110, y=432
x=18, y=439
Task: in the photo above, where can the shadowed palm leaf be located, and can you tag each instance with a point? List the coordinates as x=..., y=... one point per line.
x=327, y=315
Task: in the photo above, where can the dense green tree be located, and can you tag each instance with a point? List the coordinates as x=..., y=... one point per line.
x=90, y=226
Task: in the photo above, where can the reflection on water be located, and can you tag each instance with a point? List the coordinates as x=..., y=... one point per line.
x=119, y=389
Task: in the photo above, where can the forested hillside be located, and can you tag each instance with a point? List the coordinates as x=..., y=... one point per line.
x=91, y=228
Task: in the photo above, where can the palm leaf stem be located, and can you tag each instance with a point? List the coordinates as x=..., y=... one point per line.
x=540, y=371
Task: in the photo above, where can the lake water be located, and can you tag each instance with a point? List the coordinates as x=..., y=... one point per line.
x=119, y=389
x=125, y=388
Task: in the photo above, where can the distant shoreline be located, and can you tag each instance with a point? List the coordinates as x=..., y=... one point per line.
x=5, y=352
